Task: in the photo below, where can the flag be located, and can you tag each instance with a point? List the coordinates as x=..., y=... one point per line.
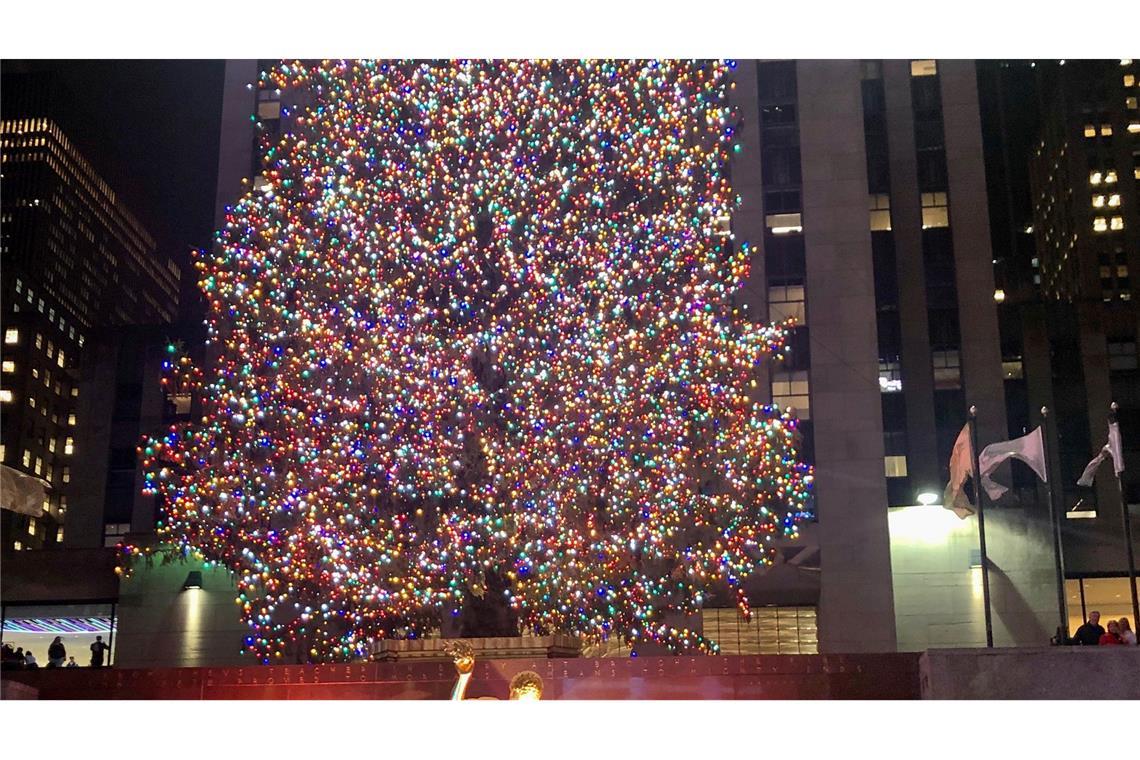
x=961, y=468
x=1111, y=449
x=21, y=493
x=1028, y=448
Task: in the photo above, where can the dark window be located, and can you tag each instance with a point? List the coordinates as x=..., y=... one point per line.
x=784, y=259
x=781, y=166
x=886, y=274
x=782, y=202
x=776, y=80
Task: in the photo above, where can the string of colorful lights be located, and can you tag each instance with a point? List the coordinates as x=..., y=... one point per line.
x=479, y=318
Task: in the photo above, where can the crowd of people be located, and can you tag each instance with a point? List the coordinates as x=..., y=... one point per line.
x=1092, y=634
x=57, y=657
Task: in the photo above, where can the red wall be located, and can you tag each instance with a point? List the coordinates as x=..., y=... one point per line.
x=856, y=676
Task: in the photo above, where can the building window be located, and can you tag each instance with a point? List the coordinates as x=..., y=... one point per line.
x=1122, y=355
x=1096, y=177
x=923, y=68
x=75, y=393
x=59, y=360
x=1090, y=130
x=39, y=468
x=791, y=389
x=1013, y=369
x=935, y=212
x=27, y=461
x=32, y=401
x=39, y=340
x=18, y=546
x=1129, y=103
x=1114, y=200
x=113, y=533
x=1129, y=80
x=11, y=335
x=32, y=526
x=890, y=377
x=1100, y=224
x=5, y=396
x=947, y=370
x=69, y=446
x=783, y=224
x=772, y=630
x=51, y=445
x=1110, y=177
x=71, y=419
x=895, y=466
x=786, y=302
x=66, y=478
x=9, y=366
x=1116, y=223
x=871, y=69
x=880, y=213
x=59, y=535
x=1105, y=130
x=1098, y=201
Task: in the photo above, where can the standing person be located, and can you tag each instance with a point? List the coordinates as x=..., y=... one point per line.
x=97, y=650
x=30, y=660
x=57, y=653
x=1111, y=637
x=1089, y=634
x=1127, y=635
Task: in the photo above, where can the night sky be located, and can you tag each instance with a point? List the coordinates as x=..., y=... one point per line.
x=150, y=128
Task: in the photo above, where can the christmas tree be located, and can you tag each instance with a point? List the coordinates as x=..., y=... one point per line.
x=477, y=322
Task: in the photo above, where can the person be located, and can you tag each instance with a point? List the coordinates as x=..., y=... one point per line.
x=97, y=650
x=57, y=653
x=71, y=663
x=1111, y=637
x=30, y=660
x=1089, y=634
x=1127, y=635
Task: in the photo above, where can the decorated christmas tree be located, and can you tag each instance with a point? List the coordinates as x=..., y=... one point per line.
x=475, y=332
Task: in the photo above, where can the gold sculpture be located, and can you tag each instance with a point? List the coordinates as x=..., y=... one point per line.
x=525, y=686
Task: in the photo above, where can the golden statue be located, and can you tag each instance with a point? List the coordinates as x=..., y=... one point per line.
x=525, y=686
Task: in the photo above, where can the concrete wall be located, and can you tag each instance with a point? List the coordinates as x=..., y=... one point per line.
x=1046, y=673
x=855, y=607
x=163, y=626
x=938, y=595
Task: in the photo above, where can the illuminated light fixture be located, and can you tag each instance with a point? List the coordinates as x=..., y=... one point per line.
x=193, y=580
x=1029, y=230
x=1125, y=61
x=926, y=498
x=1090, y=130
x=1134, y=127
x=1080, y=512
x=999, y=295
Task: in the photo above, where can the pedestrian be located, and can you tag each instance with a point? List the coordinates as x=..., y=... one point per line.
x=1111, y=637
x=97, y=650
x=1089, y=634
x=71, y=663
x=57, y=653
x=30, y=660
x=1127, y=635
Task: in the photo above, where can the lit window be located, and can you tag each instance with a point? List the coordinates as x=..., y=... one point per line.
x=782, y=224
x=1013, y=369
x=1090, y=130
x=895, y=466
x=1122, y=270
x=75, y=393
x=59, y=358
x=1129, y=80
x=1134, y=127
x=1098, y=201
x=1105, y=130
x=1100, y=224
x=51, y=445
x=81, y=341
x=880, y=213
x=39, y=465
x=790, y=389
x=27, y=461
x=786, y=302
x=923, y=68
x=1110, y=176
x=31, y=526
x=71, y=419
x=59, y=535
x=32, y=401
x=40, y=305
x=66, y=475
x=9, y=365
x=890, y=377
x=11, y=335
x=1095, y=177
x=947, y=369
x=50, y=350
x=69, y=446
x=19, y=285
x=935, y=212
x=1116, y=223
x=5, y=396
x=1114, y=200
x=39, y=340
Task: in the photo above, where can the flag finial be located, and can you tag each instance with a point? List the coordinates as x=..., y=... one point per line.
x=973, y=411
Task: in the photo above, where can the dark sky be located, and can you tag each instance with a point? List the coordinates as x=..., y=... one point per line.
x=150, y=128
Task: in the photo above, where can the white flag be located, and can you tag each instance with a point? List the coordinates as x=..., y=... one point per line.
x=21, y=493
x=961, y=468
x=1111, y=449
x=1028, y=448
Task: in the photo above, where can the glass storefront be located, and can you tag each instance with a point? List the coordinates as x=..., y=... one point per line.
x=1108, y=596
x=34, y=627
x=772, y=630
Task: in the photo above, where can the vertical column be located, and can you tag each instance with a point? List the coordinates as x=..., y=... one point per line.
x=856, y=609
x=235, y=145
x=906, y=222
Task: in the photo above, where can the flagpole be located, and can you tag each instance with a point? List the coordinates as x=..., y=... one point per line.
x=1127, y=522
x=973, y=422
x=1058, y=550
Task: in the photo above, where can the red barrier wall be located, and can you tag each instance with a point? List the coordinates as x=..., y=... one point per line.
x=855, y=676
